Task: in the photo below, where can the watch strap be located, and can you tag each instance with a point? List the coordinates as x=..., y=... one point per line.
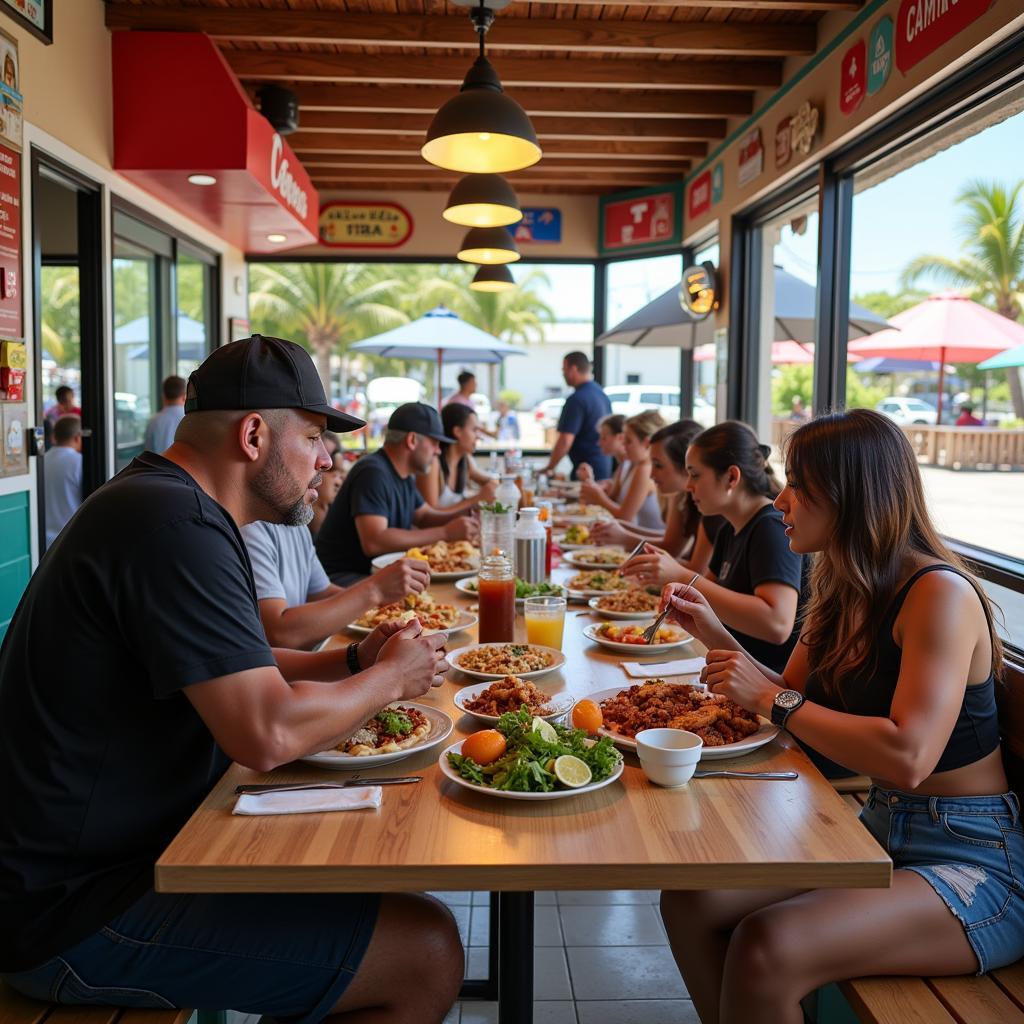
x=352, y=657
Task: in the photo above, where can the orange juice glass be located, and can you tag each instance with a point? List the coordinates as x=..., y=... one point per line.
x=545, y=621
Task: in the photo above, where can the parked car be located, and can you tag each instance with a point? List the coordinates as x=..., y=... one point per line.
x=905, y=411
x=546, y=412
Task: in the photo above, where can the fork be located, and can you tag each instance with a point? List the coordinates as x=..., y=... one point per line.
x=636, y=551
x=651, y=631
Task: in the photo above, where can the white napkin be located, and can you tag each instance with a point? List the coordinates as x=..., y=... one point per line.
x=680, y=667
x=309, y=801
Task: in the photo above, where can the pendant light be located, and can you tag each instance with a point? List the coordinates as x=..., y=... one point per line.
x=483, y=201
x=481, y=130
x=489, y=246
x=493, y=278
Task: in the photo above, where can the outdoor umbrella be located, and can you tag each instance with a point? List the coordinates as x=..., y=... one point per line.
x=948, y=327
x=191, y=337
x=783, y=353
x=435, y=335
x=1006, y=360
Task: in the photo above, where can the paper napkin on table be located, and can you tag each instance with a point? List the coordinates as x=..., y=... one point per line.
x=309, y=801
x=649, y=669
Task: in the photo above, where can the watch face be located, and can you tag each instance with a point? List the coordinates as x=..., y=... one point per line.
x=788, y=699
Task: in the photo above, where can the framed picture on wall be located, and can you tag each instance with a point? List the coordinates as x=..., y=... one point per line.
x=35, y=16
x=15, y=438
x=11, y=102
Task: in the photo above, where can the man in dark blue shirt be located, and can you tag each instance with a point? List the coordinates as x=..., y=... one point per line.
x=577, y=426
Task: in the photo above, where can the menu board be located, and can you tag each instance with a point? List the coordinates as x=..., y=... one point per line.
x=10, y=243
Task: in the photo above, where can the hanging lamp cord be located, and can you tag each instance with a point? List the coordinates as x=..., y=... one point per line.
x=482, y=18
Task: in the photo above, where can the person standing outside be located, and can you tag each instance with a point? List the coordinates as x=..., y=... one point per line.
x=161, y=427
x=64, y=406
x=467, y=388
x=62, y=475
x=967, y=417
x=577, y=425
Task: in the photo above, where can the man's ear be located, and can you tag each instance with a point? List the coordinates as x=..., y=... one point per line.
x=253, y=435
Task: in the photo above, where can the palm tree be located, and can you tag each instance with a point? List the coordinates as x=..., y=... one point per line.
x=62, y=340
x=991, y=269
x=328, y=305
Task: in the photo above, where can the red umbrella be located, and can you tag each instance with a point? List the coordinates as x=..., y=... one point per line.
x=947, y=327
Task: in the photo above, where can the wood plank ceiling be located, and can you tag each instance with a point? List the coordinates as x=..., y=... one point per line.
x=621, y=94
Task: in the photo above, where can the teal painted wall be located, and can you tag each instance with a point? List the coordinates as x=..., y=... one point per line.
x=15, y=554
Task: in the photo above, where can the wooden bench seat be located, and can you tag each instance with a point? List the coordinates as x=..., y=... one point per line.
x=17, y=1009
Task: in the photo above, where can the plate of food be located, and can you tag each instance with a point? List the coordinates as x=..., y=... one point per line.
x=526, y=758
x=489, y=701
x=524, y=590
x=434, y=616
x=629, y=638
x=396, y=731
x=594, y=583
x=726, y=729
x=447, y=561
x=577, y=513
x=596, y=558
x=495, y=661
x=575, y=537
x=627, y=604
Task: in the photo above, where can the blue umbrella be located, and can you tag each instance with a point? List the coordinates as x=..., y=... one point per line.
x=434, y=335
x=887, y=364
x=1005, y=360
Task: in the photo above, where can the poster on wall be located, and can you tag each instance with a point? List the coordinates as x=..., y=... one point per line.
x=922, y=26
x=879, y=55
x=751, y=156
x=853, y=80
x=10, y=243
x=700, y=196
x=641, y=219
x=11, y=103
x=35, y=16
x=15, y=430
x=541, y=225
x=362, y=225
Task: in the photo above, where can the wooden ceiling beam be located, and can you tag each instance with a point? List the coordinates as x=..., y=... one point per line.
x=403, y=99
x=548, y=127
x=335, y=189
x=582, y=73
x=685, y=38
x=563, y=164
x=726, y=5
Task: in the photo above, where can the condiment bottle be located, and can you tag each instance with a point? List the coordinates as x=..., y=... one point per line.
x=497, y=599
x=531, y=544
x=547, y=519
x=507, y=493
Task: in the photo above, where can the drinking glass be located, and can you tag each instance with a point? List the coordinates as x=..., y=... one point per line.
x=545, y=621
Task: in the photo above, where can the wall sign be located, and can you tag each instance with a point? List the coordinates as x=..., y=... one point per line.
x=11, y=101
x=541, y=225
x=356, y=225
x=15, y=430
x=717, y=183
x=922, y=26
x=783, y=143
x=642, y=219
x=853, y=81
x=698, y=293
x=700, y=196
x=751, y=156
x=803, y=128
x=35, y=16
x=879, y=55
x=10, y=243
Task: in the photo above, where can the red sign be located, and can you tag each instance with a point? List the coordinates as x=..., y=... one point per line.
x=853, y=85
x=643, y=220
x=783, y=142
x=922, y=26
x=700, y=196
x=10, y=243
x=751, y=156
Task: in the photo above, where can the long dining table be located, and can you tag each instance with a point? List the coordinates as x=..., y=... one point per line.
x=435, y=835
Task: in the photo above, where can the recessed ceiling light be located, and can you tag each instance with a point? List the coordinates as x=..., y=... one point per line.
x=202, y=179
x=277, y=238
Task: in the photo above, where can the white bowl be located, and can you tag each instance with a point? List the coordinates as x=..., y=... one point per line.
x=668, y=757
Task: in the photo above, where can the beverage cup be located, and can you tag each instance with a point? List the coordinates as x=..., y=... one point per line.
x=545, y=621
x=668, y=757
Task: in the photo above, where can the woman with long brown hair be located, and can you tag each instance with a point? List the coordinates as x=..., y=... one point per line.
x=894, y=677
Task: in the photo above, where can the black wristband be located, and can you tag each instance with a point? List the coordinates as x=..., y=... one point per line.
x=352, y=657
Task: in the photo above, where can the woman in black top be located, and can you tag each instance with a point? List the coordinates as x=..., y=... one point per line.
x=894, y=678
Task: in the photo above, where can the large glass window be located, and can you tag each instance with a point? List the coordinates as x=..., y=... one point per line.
x=194, y=286
x=710, y=357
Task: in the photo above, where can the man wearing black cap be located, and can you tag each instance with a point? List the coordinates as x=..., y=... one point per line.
x=379, y=508
x=153, y=593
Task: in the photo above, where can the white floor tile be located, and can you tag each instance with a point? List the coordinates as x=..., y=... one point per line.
x=454, y=899
x=547, y=930
x=611, y=972
x=477, y=962
x=550, y=974
x=561, y=1011
x=585, y=897
x=454, y=1014
x=480, y=928
x=479, y=1013
x=624, y=924
x=637, y=1011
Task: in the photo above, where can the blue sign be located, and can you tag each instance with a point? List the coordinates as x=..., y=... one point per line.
x=541, y=224
x=879, y=55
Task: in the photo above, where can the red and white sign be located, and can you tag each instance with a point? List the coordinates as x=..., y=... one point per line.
x=700, y=196
x=751, y=156
x=853, y=84
x=922, y=26
x=10, y=243
x=783, y=145
x=642, y=220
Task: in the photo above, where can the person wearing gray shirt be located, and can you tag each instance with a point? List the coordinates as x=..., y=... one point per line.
x=62, y=475
x=299, y=606
x=161, y=428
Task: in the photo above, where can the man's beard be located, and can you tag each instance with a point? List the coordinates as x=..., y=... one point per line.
x=275, y=486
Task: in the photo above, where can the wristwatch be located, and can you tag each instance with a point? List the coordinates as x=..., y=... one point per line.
x=352, y=657
x=785, y=703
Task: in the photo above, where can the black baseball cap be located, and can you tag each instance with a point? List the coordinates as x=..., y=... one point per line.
x=262, y=373
x=419, y=418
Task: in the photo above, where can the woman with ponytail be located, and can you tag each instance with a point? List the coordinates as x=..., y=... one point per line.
x=753, y=581
x=894, y=677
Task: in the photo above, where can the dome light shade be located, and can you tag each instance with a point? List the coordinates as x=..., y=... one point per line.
x=483, y=201
x=488, y=246
x=481, y=130
x=493, y=278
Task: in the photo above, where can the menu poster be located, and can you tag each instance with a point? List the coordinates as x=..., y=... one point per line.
x=11, y=102
x=15, y=438
x=35, y=16
x=10, y=243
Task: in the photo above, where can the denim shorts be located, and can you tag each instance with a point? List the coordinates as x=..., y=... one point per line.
x=970, y=850
x=287, y=956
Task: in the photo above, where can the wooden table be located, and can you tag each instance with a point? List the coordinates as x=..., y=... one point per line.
x=714, y=833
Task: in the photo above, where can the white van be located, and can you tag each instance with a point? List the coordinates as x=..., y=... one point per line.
x=630, y=399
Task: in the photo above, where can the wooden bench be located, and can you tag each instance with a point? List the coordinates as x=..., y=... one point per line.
x=17, y=1009
x=995, y=998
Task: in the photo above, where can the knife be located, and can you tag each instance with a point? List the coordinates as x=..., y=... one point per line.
x=744, y=775
x=294, y=787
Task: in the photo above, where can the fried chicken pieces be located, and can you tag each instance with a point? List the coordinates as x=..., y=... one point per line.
x=656, y=704
x=510, y=694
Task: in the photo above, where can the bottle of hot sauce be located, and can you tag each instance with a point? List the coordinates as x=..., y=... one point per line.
x=497, y=598
x=547, y=519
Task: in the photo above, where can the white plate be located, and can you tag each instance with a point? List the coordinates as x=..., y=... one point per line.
x=764, y=735
x=557, y=662
x=464, y=621
x=337, y=761
x=608, y=614
x=381, y=561
x=560, y=541
x=574, y=559
x=556, y=794
x=561, y=702
x=591, y=633
x=559, y=520
x=464, y=587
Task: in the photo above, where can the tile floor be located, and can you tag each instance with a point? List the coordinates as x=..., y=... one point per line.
x=599, y=958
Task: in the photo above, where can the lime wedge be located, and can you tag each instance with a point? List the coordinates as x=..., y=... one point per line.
x=546, y=730
x=572, y=772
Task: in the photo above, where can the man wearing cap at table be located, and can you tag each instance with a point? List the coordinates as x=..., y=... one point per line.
x=379, y=508
x=174, y=678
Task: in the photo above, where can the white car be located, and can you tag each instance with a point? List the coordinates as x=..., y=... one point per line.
x=630, y=399
x=546, y=412
x=906, y=411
